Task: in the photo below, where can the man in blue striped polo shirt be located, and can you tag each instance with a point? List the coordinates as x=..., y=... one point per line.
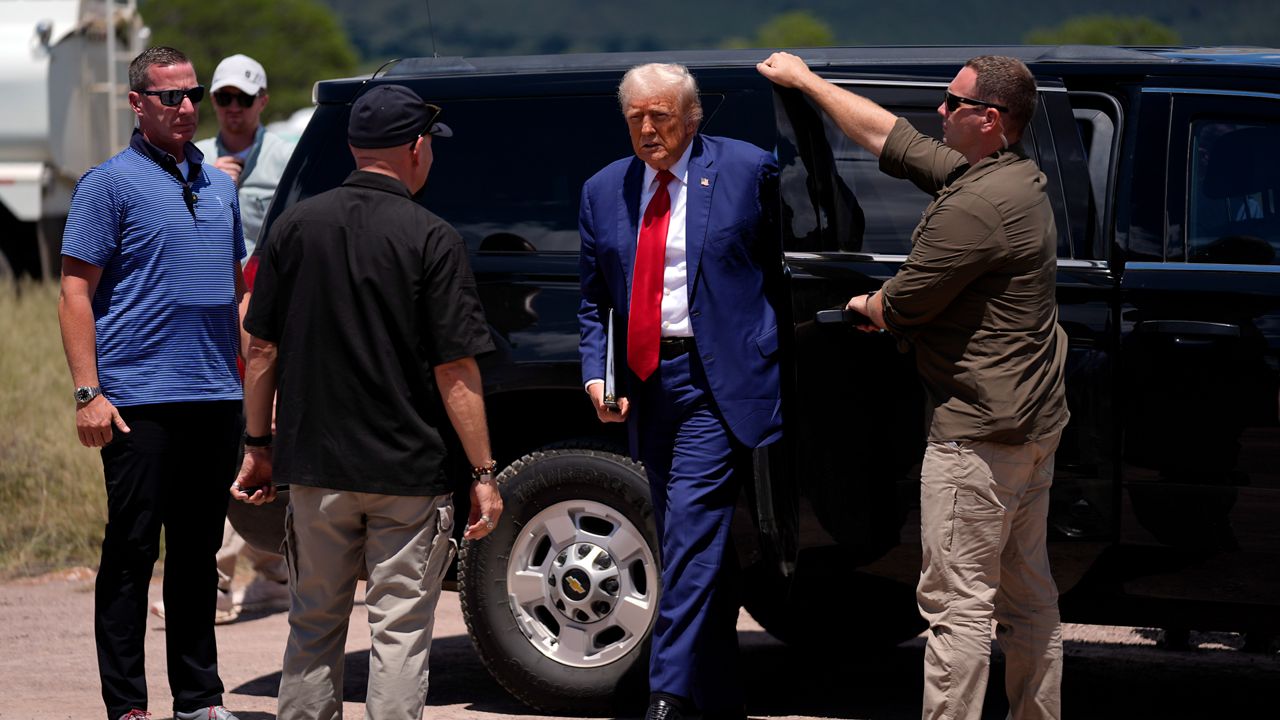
x=150, y=283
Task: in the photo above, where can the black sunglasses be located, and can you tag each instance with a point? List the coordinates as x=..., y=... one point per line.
x=955, y=101
x=435, y=111
x=224, y=99
x=173, y=98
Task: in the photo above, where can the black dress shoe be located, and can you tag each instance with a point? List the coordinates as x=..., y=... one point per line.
x=663, y=709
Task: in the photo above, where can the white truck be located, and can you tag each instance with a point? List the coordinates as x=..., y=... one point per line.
x=63, y=77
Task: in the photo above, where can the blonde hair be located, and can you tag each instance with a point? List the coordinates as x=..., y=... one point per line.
x=655, y=78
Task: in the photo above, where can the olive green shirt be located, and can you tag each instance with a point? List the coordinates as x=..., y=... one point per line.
x=977, y=294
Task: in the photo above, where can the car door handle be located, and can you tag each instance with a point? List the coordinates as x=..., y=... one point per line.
x=1188, y=327
x=841, y=316
x=506, y=242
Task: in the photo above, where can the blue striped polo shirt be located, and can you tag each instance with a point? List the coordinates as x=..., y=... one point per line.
x=165, y=308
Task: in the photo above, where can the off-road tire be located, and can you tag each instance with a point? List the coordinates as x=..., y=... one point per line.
x=520, y=653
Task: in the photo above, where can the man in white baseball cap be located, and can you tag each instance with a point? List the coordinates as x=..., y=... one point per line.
x=242, y=72
x=243, y=148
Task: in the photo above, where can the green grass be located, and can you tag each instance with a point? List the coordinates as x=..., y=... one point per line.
x=52, y=498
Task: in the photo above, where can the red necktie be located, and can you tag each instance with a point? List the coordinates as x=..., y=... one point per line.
x=643, y=333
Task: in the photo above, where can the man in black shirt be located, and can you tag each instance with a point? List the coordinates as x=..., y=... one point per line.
x=366, y=319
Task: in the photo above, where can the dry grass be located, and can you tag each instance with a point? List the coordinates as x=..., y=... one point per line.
x=52, y=498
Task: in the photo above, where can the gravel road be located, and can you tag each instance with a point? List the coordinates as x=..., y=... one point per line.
x=48, y=669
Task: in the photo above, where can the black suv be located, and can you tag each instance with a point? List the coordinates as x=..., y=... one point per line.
x=1164, y=174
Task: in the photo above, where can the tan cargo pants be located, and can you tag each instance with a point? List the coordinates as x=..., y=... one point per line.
x=268, y=565
x=983, y=512
x=405, y=545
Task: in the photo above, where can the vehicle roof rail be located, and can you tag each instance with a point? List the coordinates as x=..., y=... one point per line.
x=431, y=65
x=1100, y=53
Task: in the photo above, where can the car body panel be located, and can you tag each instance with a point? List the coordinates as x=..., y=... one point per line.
x=1172, y=365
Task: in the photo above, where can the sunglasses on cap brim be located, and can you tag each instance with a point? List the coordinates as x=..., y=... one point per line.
x=435, y=111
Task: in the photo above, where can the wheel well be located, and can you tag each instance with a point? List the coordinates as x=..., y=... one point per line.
x=525, y=420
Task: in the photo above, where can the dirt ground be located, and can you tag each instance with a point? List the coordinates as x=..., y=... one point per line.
x=48, y=669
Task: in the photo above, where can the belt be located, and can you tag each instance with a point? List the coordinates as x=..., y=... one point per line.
x=673, y=347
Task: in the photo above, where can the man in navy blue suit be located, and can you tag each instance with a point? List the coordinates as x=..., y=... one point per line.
x=679, y=243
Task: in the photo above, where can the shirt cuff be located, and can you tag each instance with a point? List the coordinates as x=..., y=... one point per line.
x=587, y=385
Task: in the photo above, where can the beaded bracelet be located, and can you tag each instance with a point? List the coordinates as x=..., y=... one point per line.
x=488, y=468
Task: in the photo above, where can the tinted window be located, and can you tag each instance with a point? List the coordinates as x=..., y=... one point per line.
x=319, y=163
x=511, y=176
x=1232, y=211
x=867, y=211
x=1097, y=134
x=891, y=207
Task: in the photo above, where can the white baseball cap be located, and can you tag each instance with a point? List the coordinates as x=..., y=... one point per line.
x=239, y=71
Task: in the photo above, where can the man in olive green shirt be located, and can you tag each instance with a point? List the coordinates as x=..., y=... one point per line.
x=976, y=298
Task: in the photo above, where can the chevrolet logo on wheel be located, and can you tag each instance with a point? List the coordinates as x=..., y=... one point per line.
x=576, y=584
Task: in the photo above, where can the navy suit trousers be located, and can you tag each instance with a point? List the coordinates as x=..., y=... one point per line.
x=695, y=469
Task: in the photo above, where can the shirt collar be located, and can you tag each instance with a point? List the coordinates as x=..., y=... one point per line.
x=378, y=181
x=997, y=159
x=194, y=157
x=680, y=170
x=253, y=146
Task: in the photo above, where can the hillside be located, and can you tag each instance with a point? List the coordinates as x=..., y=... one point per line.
x=383, y=29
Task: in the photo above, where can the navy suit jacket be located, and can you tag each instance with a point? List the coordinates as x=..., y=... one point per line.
x=732, y=256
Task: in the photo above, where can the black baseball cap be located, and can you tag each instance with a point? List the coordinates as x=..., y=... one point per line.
x=390, y=115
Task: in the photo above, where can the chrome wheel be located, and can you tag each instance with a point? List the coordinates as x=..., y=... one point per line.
x=560, y=598
x=582, y=583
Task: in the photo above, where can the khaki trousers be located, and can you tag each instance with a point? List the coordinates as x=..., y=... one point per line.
x=268, y=565
x=983, y=511
x=405, y=545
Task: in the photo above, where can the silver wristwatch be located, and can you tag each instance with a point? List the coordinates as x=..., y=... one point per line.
x=85, y=393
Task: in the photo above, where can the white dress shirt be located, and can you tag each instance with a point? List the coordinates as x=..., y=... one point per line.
x=675, y=278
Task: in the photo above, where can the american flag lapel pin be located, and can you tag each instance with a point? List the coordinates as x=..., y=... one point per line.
x=705, y=182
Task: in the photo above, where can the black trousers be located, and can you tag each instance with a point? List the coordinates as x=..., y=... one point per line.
x=172, y=470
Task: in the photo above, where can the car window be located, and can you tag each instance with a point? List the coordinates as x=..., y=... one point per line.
x=1232, y=211
x=1096, y=129
x=866, y=210
x=510, y=180
x=891, y=206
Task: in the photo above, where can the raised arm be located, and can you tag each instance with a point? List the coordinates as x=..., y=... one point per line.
x=865, y=122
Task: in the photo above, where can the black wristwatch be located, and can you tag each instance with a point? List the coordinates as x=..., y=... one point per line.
x=85, y=393
x=257, y=440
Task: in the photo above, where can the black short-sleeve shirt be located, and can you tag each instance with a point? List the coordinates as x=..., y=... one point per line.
x=364, y=291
